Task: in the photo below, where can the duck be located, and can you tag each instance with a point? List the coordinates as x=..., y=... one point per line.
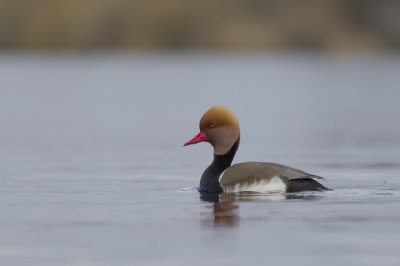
x=220, y=127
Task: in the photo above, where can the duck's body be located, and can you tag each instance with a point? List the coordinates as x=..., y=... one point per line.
x=267, y=177
x=220, y=127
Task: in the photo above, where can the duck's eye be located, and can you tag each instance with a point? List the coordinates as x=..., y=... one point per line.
x=211, y=126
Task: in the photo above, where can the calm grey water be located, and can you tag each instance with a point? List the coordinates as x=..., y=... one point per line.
x=93, y=171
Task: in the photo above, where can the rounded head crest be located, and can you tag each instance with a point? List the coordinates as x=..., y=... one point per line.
x=218, y=116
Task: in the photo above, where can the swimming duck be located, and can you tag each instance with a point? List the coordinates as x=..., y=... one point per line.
x=220, y=127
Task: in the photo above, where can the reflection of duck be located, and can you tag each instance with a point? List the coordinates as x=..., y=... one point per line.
x=225, y=214
x=225, y=208
x=219, y=127
x=254, y=196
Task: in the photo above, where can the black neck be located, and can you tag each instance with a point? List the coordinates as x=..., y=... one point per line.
x=209, y=181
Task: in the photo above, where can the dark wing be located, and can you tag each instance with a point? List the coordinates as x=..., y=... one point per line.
x=293, y=173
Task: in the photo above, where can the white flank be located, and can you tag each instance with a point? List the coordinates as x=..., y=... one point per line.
x=275, y=184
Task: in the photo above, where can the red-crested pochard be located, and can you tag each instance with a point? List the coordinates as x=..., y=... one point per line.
x=220, y=127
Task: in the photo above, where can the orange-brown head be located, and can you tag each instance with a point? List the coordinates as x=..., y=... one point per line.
x=220, y=127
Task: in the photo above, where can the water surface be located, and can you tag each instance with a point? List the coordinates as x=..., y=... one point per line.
x=94, y=173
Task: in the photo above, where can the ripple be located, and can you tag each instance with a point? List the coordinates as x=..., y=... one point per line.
x=188, y=189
